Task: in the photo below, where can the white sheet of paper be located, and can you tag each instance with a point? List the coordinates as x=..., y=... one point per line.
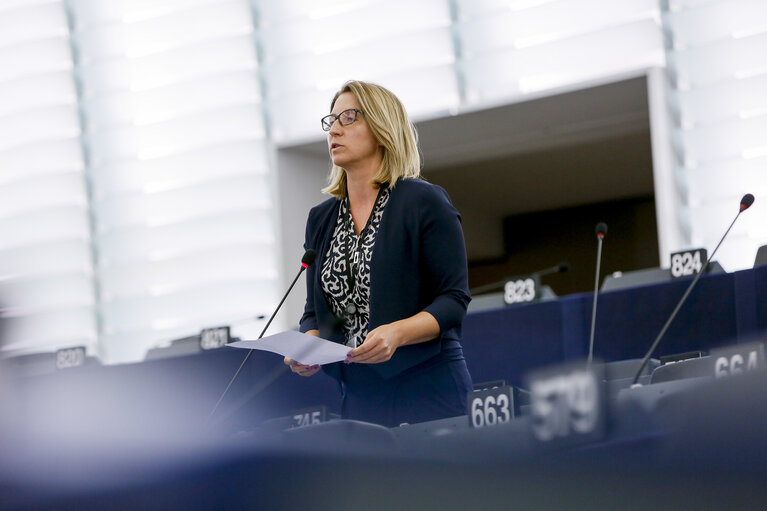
x=304, y=348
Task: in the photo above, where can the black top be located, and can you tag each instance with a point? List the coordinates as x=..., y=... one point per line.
x=418, y=263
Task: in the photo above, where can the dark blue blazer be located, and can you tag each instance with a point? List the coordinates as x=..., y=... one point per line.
x=418, y=264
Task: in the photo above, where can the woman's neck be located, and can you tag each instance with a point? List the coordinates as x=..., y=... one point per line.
x=362, y=194
x=360, y=187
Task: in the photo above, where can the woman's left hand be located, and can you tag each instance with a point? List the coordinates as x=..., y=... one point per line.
x=379, y=346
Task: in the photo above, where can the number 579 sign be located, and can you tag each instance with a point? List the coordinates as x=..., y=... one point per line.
x=567, y=404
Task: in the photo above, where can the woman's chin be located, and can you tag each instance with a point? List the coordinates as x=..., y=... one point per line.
x=338, y=162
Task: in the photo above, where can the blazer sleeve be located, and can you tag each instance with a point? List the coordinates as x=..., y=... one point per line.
x=444, y=259
x=309, y=317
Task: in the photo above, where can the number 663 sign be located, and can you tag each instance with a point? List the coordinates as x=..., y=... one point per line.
x=491, y=406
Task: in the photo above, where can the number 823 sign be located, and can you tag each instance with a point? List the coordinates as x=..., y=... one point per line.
x=522, y=290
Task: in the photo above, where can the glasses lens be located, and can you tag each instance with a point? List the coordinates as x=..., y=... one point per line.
x=327, y=122
x=348, y=116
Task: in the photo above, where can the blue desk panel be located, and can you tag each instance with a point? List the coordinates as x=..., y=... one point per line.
x=722, y=309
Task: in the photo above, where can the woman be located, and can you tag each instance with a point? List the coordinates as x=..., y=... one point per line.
x=390, y=279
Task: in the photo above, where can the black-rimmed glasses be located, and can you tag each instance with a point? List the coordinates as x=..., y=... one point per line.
x=346, y=118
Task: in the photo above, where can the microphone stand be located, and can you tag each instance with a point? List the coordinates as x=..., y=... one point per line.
x=560, y=268
x=601, y=231
x=745, y=203
x=307, y=260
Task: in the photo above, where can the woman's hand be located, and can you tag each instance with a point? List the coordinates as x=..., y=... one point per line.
x=381, y=342
x=301, y=369
x=379, y=346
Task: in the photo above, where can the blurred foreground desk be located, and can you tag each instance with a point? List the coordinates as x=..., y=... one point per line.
x=696, y=448
x=130, y=437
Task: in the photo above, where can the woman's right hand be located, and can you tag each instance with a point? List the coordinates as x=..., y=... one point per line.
x=301, y=369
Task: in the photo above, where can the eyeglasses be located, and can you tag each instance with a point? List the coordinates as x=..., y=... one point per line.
x=346, y=118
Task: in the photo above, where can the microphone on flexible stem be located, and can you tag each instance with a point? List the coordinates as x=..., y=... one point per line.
x=601, y=231
x=745, y=203
x=306, y=261
x=562, y=267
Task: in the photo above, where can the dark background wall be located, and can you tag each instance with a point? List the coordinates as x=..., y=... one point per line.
x=534, y=241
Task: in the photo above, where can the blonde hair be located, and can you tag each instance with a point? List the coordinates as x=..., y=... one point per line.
x=391, y=127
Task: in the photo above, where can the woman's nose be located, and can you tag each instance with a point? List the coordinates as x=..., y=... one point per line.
x=335, y=128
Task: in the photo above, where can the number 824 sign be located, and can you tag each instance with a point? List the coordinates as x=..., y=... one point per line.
x=687, y=262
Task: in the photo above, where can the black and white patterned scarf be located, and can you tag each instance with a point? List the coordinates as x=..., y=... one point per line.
x=347, y=290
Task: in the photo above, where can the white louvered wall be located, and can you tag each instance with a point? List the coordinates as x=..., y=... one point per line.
x=46, y=271
x=719, y=77
x=178, y=162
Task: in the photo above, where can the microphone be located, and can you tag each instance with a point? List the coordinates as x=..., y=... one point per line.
x=560, y=268
x=745, y=203
x=306, y=261
x=601, y=231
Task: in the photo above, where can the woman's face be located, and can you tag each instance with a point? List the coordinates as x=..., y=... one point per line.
x=352, y=146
